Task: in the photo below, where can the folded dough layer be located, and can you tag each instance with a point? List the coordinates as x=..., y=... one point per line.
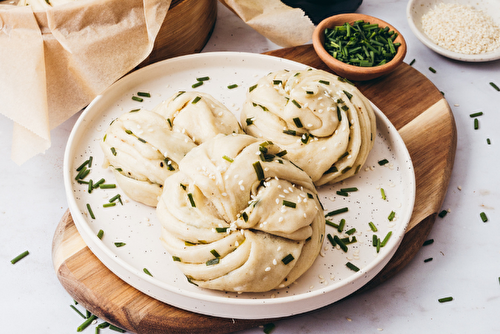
x=326, y=125
x=238, y=216
x=145, y=147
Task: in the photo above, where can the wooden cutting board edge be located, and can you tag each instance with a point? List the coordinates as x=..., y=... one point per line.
x=144, y=314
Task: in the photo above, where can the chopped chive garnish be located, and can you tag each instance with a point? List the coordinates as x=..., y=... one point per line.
x=221, y=229
x=351, y=266
x=138, y=99
x=80, y=174
x=120, y=244
x=116, y=197
x=100, y=234
x=351, y=231
x=383, y=162
x=374, y=240
x=176, y=258
x=349, y=95
x=244, y=215
x=85, y=163
x=268, y=328
x=382, y=192
x=86, y=323
x=348, y=190
x=103, y=325
x=446, y=299
x=107, y=186
x=144, y=94
x=342, y=193
x=142, y=140
x=203, y=79
x=488, y=141
x=91, y=186
x=289, y=204
x=297, y=122
x=373, y=227
x=290, y=132
x=386, y=239
x=249, y=121
x=309, y=92
x=336, y=212
x=480, y=113
x=309, y=195
x=331, y=239
x=113, y=150
x=340, y=228
x=215, y=253
x=180, y=93
x=191, y=200
x=378, y=245
x=324, y=82
x=196, y=99
x=476, y=124
x=287, y=259
x=296, y=104
x=332, y=169
x=129, y=132
x=442, y=213
x=281, y=153
x=116, y=329
x=77, y=311
x=412, y=62
x=340, y=243
x=225, y=157
x=147, y=272
x=19, y=257
x=277, y=82
x=212, y=261
x=428, y=260
x=232, y=86
x=258, y=170
x=492, y=84
x=82, y=182
x=182, y=186
x=391, y=216
x=198, y=84
x=432, y=70
x=90, y=211
x=189, y=243
x=252, y=87
x=483, y=217
x=428, y=242
x=134, y=110
x=332, y=224
x=98, y=183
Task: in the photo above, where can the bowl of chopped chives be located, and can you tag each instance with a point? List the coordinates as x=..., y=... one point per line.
x=358, y=47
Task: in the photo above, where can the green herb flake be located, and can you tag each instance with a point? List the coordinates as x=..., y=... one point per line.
x=428, y=260
x=446, y=299
x=352, y=266
x=191, y=200
x=296, y=104
x=476, y=114
x=391, y=216
x=221, y=229
x=287, y=259
x=196, y=99
x=336, y=212
x=113, y=150
x=249, y=121
x=383, y=162
x=225, y=157
x=233, y=86
x=100, y=234
x=289, y=204
x=483, y=217
x=19, y=257
x=215, y=253
x=197, y=84
x=120, y=244
x=331, y=239
x=203, y=79
x=144, y=94
x=428, y=242
x=258, y=170
x=77, y=311
x=252, y=88
x=147, y=272
x=86, y=323
x=341, y=226
x=432, y=70
x=341, y=244
x=492, y=84
x=176, y=258
x=212, y=261
x=297, y=122
x=91, y=213
x=324, y=82
x=268, y=328
x=138, y=99
x=442, y=213
x=373, y=227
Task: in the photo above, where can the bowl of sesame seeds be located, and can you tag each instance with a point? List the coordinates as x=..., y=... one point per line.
x=465, y=30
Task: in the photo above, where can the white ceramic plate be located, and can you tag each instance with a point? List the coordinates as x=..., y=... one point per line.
x=417, y=8
x=135, y=224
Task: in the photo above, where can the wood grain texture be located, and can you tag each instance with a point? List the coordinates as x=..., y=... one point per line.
x=426, y=124
x=185, y=30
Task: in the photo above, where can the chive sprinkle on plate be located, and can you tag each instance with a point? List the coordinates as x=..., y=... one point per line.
x=19, y=257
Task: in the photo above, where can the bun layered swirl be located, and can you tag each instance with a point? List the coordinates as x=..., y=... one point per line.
x=145, y=147
x=238, y=216
x=326, y=125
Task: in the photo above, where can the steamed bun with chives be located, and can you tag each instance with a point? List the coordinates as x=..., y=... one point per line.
x=144, y=148
x=326, y=125
x=240, y=217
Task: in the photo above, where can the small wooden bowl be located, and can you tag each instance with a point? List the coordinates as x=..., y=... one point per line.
x=351, y=72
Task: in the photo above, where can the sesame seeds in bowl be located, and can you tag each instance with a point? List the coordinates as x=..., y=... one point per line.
x=463, y=30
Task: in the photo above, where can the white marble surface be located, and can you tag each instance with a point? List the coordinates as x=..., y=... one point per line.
x=466, y=251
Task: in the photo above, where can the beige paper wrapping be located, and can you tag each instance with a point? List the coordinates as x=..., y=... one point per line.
x=281, y=24
x=54, y=62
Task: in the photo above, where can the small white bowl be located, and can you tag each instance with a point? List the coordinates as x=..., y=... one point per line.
x=417, y=8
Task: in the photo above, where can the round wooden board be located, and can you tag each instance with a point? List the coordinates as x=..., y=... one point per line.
x=415, y=107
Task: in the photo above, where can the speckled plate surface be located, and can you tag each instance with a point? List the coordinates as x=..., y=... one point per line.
x=136, y=225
